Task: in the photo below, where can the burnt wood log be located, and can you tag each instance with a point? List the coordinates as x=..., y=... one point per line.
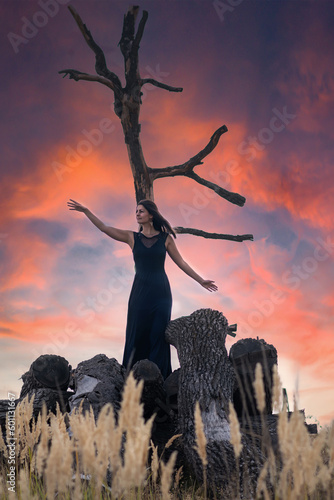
x=47, y=380
x=207, y=376
x=50, y=398
x=47, y=371
x=171, y=386
x=153, y=395
x=96, y=382
x=155, y=401
x=244, y=355
x=266, y=426
x=42, y=396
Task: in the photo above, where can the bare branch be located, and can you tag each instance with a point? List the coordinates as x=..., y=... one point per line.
x=187, y=169
x=100, y=62
x=197, y=159
x=140, y=31
x=161, y=85
x=129, y=44
x=214, y=236
x=79, y=75
x=235, y=198
x=188, y=166
x=128, y=31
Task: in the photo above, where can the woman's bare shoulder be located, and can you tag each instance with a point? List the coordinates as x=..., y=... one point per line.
x=169, y=241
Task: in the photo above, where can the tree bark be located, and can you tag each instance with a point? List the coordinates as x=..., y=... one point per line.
x=214, y=236
x=43, y=396
x=153, y=395
x=154, y=399
x=47, y=371
x=207, y=376
x=244, y=355
x=96, y=382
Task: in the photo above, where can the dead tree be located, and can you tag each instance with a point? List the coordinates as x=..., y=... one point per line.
x=127, y=102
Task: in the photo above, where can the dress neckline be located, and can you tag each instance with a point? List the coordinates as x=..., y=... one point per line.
x=149, y=237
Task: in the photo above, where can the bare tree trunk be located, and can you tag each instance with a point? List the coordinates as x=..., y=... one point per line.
x=131, y=128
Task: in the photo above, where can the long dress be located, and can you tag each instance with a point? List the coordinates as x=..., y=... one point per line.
x=150, y=305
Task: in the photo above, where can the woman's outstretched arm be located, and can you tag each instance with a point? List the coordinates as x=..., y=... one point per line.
x=117, y=234
x=177, y=258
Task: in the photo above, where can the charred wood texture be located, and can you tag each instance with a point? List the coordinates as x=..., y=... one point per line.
x=127, y=103
x=96, y=382
x=259, y=426
x=244, y=355
x=213, y=236
x=155, y=401
x=48, y=370
x=171, y=386
x=207, y=376
x=47, y=397
x=47, y=381
x=153, y=395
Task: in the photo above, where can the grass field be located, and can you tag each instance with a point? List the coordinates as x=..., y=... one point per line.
x=73, y=457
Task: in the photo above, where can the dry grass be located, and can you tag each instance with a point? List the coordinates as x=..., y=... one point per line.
x=107, y=460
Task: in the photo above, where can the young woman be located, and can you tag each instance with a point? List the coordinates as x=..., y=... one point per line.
x=150, y=301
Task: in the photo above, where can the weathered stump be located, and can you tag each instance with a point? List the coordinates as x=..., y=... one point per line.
x=96, y=382
x=47, y=380
x=155, y=401
x=244, y=355
x=207, y=376
x=47, y=371
x=171, y=386
x=153, y=394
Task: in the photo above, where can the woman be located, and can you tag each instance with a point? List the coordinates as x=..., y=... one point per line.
x=150, y=300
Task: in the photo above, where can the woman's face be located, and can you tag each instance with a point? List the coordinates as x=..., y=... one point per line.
x=142, y=215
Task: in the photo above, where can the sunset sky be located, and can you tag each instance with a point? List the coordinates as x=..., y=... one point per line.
x=264, y=69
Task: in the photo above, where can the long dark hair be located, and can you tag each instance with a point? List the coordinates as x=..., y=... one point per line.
x=159, y=222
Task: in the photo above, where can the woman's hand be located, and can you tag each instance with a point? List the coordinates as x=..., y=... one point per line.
x=74, y=205
x=209, y=285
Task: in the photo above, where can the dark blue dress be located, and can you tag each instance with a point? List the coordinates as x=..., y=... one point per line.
x=150, y=305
